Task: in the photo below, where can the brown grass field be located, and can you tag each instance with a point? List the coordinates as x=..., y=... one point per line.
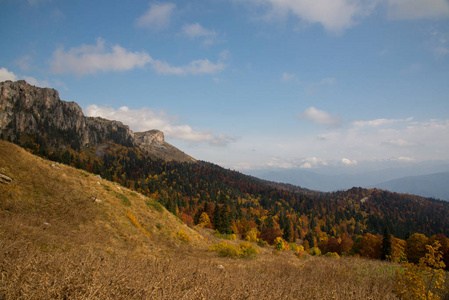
x=57, y=242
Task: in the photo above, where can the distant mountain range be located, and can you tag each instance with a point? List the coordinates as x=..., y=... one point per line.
x=431, y=185
x=435, y=185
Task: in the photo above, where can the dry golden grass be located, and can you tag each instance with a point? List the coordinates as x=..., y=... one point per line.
x=56, y=242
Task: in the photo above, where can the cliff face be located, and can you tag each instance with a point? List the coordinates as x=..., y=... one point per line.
x=39, y=112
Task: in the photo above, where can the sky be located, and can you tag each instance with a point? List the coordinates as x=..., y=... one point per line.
x=249, y=84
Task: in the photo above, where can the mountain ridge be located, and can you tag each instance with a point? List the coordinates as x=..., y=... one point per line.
x=27, y=110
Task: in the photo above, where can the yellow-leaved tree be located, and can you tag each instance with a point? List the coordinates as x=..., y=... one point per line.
x=423, y=280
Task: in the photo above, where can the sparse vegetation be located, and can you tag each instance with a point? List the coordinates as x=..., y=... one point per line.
x=154, y=205
x=231, y=237
x=124, y=199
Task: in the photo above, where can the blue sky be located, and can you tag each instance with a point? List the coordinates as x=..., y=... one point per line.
x=249, y=84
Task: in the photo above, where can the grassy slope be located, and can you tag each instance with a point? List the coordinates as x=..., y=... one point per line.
x=56, y=242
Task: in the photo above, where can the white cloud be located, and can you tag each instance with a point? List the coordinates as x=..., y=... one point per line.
x=379, y=122
x=196, y=67
x=7, y=75
x=145, y=119
x=320, y=117
x=337, y=16
x=196, y=30
x=89, y=59
x=348, y=162
x=157, y=17
x=334, y=15
x=417, y=9
x=312, y=162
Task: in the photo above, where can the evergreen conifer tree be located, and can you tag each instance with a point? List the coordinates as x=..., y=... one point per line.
x=386, y=244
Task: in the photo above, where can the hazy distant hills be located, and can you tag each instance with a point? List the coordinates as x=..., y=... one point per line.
x=404, y=180
x=432, y=185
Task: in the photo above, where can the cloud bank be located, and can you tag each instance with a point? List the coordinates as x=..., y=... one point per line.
x=337, y=16
x=90, y=59
x=146, y=119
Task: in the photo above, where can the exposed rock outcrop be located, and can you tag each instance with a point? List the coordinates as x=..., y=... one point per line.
x=26, y=110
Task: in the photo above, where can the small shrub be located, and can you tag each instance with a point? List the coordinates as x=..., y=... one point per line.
x=332, y=254
x=294, y=247
x=315, y=251
x=262, y=243
x=279, y=244
x=247, y=250
x=244, y=250
x=231, y=237
x=184, y=236
x=301, y=255
x=225, y=250
x=251, y=235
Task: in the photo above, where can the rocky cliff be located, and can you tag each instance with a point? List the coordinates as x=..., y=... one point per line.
x=26, y=110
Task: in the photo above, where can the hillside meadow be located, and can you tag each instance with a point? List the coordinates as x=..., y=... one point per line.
x=68, y=234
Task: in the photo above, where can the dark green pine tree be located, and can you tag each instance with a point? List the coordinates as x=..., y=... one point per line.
x=386, y=245
x=226, y=220
x=217, y=218
x=287, y=235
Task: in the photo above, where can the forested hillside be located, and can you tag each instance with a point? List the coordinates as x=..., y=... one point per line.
x=236, y=203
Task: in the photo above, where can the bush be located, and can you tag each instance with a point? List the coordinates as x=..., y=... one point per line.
x=244, y=250
x=262, y=243
x=332, y=254
x=315, y=251
x=183, y=236
x=251, y=235
x=279, y=244
x=231, y=237
x=294, y=247
x=225, y=250
x=248, y=250
x=301, y=255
